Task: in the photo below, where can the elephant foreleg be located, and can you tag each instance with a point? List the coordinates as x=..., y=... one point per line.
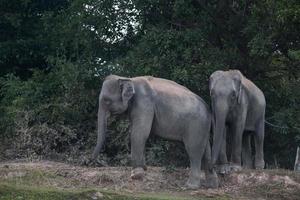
x=246, y=151
x=223, y=167
x=212, y=180
x=141, y=128
x=238, y=129
x=223, y=156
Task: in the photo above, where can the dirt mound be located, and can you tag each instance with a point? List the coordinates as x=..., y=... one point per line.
x=248, y=184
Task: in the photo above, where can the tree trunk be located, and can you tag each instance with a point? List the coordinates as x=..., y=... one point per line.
x=297, y=161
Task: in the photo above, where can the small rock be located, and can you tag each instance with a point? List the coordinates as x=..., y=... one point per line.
x=97, y=195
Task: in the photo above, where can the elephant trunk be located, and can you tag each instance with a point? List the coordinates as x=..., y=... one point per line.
x=219, y=113
x=101, y=129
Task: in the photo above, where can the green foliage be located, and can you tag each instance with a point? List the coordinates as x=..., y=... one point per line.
x=54, y=55
x=43, y=112
x=186, y=41
x=22, y=41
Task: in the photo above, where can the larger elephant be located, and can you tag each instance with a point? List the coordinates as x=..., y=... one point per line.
x=238, y=105
x=162, y=107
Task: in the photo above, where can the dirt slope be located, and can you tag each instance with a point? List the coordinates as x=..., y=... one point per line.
x=248, y=184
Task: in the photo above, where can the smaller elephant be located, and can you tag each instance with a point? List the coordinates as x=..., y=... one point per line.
x=238, y=105
x=162, y=107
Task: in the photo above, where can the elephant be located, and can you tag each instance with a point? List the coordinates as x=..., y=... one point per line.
x=223, y=166
x=164, y=108
x=238, y=105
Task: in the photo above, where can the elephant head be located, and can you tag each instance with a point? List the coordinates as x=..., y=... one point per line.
x=114, y=98
x=226, y=92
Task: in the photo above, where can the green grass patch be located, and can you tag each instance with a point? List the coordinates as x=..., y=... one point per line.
x=17, y=192
x=36, y=184
x=36, y=177
x=12, y=192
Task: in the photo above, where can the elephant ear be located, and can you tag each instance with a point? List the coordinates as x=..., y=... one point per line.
x=237, y=83
x=212, y=79
x=126, y=89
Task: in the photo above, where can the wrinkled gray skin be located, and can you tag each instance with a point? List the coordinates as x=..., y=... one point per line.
x=237, y=106
x=162, y=107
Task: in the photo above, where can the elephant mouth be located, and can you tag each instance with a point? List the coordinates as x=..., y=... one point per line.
x=115, y=112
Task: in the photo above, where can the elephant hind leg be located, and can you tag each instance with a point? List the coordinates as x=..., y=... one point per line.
x=195, y=146
x=259, y=145
x=195, y=155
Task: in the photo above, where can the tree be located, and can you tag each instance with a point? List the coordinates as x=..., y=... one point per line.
x=22, y=41
x=78, y=42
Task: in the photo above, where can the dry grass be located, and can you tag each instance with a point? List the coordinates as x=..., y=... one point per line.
x=158, y=183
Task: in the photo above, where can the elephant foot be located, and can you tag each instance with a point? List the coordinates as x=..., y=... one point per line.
x=259, y=164
x=248, y=163
x=137, y=173
x=223, y=169
x=192, y=184
x=212, y=180
x=235, y=168
x=248, y=166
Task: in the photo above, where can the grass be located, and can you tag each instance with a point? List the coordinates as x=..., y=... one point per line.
x=35, y=177
x=30, y=183
x=274, y=191
x=36, y=184
x=13, y=192
x=39, y=184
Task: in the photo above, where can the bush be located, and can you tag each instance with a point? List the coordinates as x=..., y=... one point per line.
x=53, y=115
x=52, y=112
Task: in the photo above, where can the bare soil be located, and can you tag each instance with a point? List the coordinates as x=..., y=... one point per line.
x=247, y=184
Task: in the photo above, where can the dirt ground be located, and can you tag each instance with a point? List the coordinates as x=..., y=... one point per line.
x=248, y=184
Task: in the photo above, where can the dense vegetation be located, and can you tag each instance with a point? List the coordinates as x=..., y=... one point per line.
x=55, y=53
